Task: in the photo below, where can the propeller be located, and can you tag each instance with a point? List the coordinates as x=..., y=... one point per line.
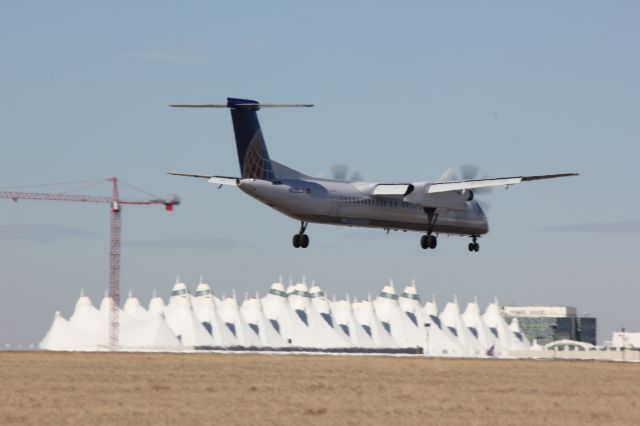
x=342, y=172
x=468, y=172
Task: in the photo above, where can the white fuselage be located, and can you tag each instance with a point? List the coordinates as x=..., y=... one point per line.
x=342, y=203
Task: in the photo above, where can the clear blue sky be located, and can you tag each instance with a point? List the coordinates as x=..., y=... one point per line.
x=402, y=91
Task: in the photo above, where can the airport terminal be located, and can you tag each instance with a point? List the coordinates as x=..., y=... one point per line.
x=302, y=318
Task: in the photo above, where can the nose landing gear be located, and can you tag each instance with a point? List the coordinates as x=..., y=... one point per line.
x=301, y=239
x=474, y=246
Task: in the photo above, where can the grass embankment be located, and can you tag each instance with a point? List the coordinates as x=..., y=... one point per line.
x=103, y=388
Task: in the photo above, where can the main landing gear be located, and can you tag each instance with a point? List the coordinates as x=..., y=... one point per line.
x=428, y=241
x=474, y=246
x=301, y=239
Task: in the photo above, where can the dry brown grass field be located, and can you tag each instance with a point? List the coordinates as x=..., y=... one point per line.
x=227, y=389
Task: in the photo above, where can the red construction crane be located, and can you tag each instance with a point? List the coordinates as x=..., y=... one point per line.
x=114, y=252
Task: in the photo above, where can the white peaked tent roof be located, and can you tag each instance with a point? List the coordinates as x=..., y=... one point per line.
x=430, y=309
x=343, y=317
x=450, y=317
x=290, y=288
x=126, y=322
x=321, y=333
x=105, y=307
x=409, y=302
x=520, y=336
x=62, y=336
x=251, y=310
x=367, y=317
x=275, y=306
x=290, y=324
x=441, y=340
x=134, y=309
x=388, y=310
x=324, y=309
x=488, y=341
x=319, y=301
x=230, y=313
x=156, y=306
x=206, y=311
x=86, y=317
x=141, y=329
x=183, y=321
x=493, y=318
x=136, y=332
x=87, y=330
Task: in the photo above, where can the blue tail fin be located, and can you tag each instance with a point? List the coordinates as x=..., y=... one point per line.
x=252, y=151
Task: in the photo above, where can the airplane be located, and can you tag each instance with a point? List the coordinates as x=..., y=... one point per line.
x=431, y=208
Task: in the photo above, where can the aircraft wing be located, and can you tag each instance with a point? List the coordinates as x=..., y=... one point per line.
x=449, y=195
x=485, y=183
x=220, y=180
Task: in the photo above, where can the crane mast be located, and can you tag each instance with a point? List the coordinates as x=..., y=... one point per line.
x=114, y=248
x=114, y=268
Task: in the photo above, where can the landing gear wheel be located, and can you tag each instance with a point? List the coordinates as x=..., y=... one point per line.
x=428, y=241
x=433, y=241
x=424, y=242
x=472, y=246
x=476, y=247
x=301, y=239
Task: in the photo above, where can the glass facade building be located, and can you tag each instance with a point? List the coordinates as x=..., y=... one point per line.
x=548, y=324
x=587, y=330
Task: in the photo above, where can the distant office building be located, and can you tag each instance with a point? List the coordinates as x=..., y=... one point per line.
x=550, y=323
x=626, y=339
x=586, y=331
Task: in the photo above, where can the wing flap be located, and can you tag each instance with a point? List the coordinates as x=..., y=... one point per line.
x=390, y=189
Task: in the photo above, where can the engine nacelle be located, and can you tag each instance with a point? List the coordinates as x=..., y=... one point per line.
x=455, y=200
x=418, y=193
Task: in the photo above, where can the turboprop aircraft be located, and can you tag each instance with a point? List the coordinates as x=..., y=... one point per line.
x=431, y=208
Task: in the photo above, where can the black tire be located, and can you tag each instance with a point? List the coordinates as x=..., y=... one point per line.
x=476, y=247
x=433, y=242
x=304, y=241
x=424, y=241
x=472, y=247
x=296, y=240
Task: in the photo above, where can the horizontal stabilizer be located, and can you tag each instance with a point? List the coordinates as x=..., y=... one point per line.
x=220, y=180
x=190, y=175
x=255, y=106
